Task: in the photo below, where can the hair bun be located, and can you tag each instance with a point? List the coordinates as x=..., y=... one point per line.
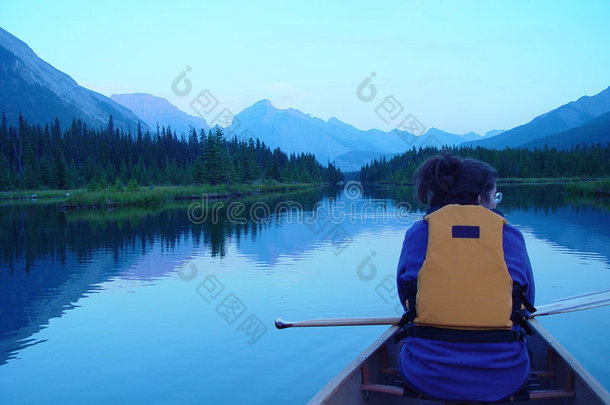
x=446, y=171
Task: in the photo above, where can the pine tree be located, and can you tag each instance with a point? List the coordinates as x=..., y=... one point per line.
x=46, y=156
x=61, y=176
x=110, y=126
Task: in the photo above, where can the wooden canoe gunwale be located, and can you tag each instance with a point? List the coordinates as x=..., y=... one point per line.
x=577, y=385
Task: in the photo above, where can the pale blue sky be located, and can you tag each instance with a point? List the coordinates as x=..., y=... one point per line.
x=457, y=66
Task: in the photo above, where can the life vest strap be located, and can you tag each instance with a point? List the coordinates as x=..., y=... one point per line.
x=460, y=335
x=411, y=293
x=520, y=318
x=407, y=318
x=519, y=315
x=519, y=299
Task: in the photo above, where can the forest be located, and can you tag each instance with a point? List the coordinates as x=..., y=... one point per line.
x=592, y=161
x=47, y=157
x=37, y=157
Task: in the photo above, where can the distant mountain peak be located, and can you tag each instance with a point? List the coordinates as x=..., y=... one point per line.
x=265, y=102
x=433, y=130
x=438, y=137
x=157, y=110
x=268, y=110
x=493, y=132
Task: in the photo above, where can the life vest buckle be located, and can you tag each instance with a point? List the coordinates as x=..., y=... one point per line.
x=407, y=318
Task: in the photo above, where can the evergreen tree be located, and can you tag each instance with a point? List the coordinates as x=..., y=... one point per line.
x=46, y=156
x=61, y=175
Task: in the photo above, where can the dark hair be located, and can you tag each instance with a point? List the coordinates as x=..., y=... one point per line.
x=448, y=179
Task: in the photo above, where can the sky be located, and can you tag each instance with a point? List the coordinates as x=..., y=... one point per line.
x=455, y=65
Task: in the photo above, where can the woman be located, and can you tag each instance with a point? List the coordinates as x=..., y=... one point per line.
x=463, y=276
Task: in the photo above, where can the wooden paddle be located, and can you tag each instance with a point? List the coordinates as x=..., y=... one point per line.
x=570, y=304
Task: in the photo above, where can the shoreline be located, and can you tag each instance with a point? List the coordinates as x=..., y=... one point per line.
x=78, y=199
x=518, y=180
x=594, y=189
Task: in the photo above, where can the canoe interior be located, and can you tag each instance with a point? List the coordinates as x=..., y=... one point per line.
x=559, y=374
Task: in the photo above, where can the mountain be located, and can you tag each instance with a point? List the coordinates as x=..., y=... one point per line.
x=31, y=86
x=353, y=161
x=493, y=132
x=156, y=110
x=449, y=139
x=290, y=130
x=594, y=131
x=470, y=136
x=293, y=131
x=568, y=116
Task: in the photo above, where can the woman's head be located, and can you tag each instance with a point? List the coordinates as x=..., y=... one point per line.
x=448, y=179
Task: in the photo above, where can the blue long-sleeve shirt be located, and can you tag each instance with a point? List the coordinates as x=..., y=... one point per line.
x=464, y=370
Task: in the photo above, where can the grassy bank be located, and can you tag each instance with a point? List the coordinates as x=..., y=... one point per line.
x=32, y=194
x=136, y=213
x=597, y=189
x=145, y=197
x=540, y=180
x=511, y=180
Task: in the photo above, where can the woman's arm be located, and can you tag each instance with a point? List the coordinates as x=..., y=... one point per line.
x=412, y=257
x=518, y=261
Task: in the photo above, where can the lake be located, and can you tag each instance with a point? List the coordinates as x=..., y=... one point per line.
x=178, y=303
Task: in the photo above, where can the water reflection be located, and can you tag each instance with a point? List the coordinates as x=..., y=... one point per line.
x=577, y=225
x=50, y=260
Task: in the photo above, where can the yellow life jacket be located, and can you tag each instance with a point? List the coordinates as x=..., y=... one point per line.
x=464, y=286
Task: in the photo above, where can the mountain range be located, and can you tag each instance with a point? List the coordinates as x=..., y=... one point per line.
x=568, y=116
x=580, y=121
x=594, y=131
x=293, y=131
x=31, y=86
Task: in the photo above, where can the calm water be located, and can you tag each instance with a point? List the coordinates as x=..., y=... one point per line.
x=136, y=306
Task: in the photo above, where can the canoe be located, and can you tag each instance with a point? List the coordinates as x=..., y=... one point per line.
x=371, y=378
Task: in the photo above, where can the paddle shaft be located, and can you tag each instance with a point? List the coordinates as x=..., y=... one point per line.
x=575, y=303
x=570, y=304
x=282, y=324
